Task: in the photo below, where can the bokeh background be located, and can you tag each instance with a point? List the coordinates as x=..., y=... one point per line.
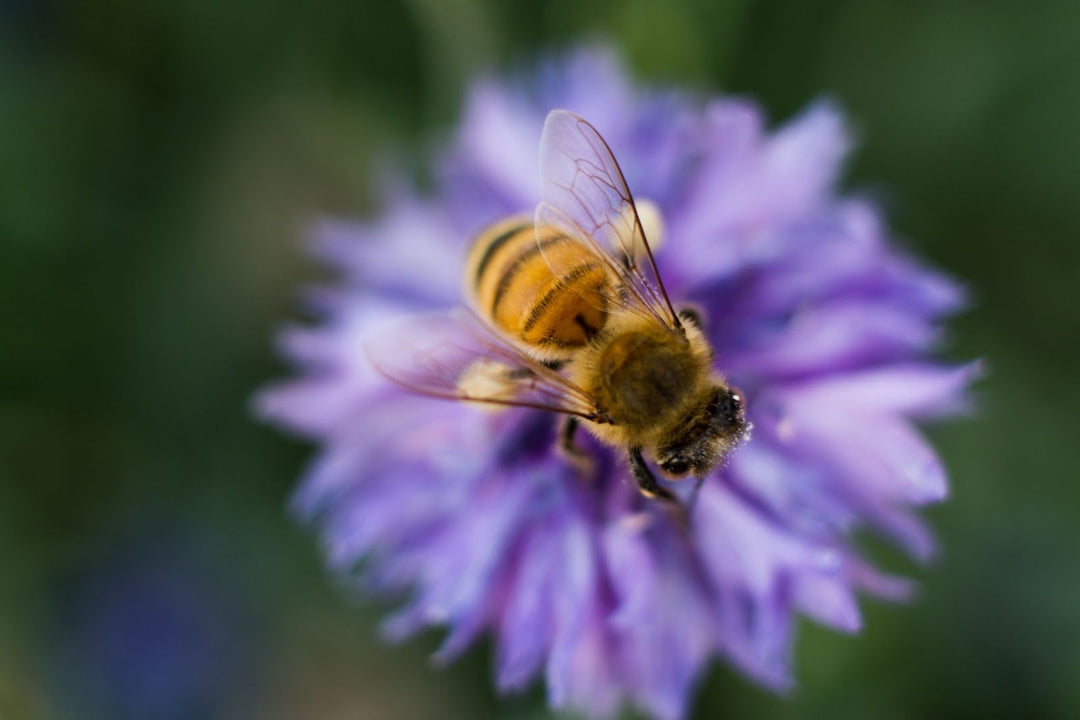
x=160, y=161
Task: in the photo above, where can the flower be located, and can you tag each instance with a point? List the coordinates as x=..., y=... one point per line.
x=474, y=518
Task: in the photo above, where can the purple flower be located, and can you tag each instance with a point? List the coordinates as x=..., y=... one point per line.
x=475, y=519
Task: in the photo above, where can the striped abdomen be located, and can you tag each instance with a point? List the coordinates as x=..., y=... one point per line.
x=543, y=288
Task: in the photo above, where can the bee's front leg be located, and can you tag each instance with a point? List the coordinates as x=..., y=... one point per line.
x=650, y=488
x=572, y=451
x=566, y=437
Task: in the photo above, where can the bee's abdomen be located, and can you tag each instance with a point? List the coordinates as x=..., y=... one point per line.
x=544, y=288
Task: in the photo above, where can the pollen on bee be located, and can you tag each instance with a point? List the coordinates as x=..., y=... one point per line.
x=488, y=379
x=652, y=222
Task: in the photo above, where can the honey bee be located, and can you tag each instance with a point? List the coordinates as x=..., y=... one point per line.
x=569, y=314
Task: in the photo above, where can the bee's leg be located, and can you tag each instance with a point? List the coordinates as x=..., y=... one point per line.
x=566, y=437
x=646, y=480
x=692, y=315
x=519, y=373
x=575, y=454
x=650, y=488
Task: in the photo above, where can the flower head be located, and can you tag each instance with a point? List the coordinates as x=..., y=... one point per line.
x=474, y=517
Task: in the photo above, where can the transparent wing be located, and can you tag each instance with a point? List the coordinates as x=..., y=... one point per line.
x=585, y=195
x=456, y=356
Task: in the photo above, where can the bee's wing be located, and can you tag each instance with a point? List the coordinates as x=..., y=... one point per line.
x=586, y=196
x=455, y=356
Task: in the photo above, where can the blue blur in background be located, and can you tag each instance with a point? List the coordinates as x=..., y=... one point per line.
x=160, y=162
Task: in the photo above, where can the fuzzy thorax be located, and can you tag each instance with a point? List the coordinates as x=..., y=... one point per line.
x=645, y=376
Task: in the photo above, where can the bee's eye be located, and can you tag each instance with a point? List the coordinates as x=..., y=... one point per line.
x=727, y=404
x=676, y=467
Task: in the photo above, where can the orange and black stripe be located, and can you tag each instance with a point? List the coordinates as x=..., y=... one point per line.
x=543, y=287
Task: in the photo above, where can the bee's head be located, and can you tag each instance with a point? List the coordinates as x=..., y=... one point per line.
x=705, y=435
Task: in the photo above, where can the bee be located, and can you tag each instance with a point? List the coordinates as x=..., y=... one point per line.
x=569, y=314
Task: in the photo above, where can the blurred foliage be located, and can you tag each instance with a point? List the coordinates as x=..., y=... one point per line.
x=159, y=162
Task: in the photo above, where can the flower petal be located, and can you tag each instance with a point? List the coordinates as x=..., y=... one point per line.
x=657, y=598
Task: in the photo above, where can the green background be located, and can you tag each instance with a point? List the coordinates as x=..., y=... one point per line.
x=160, y=161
